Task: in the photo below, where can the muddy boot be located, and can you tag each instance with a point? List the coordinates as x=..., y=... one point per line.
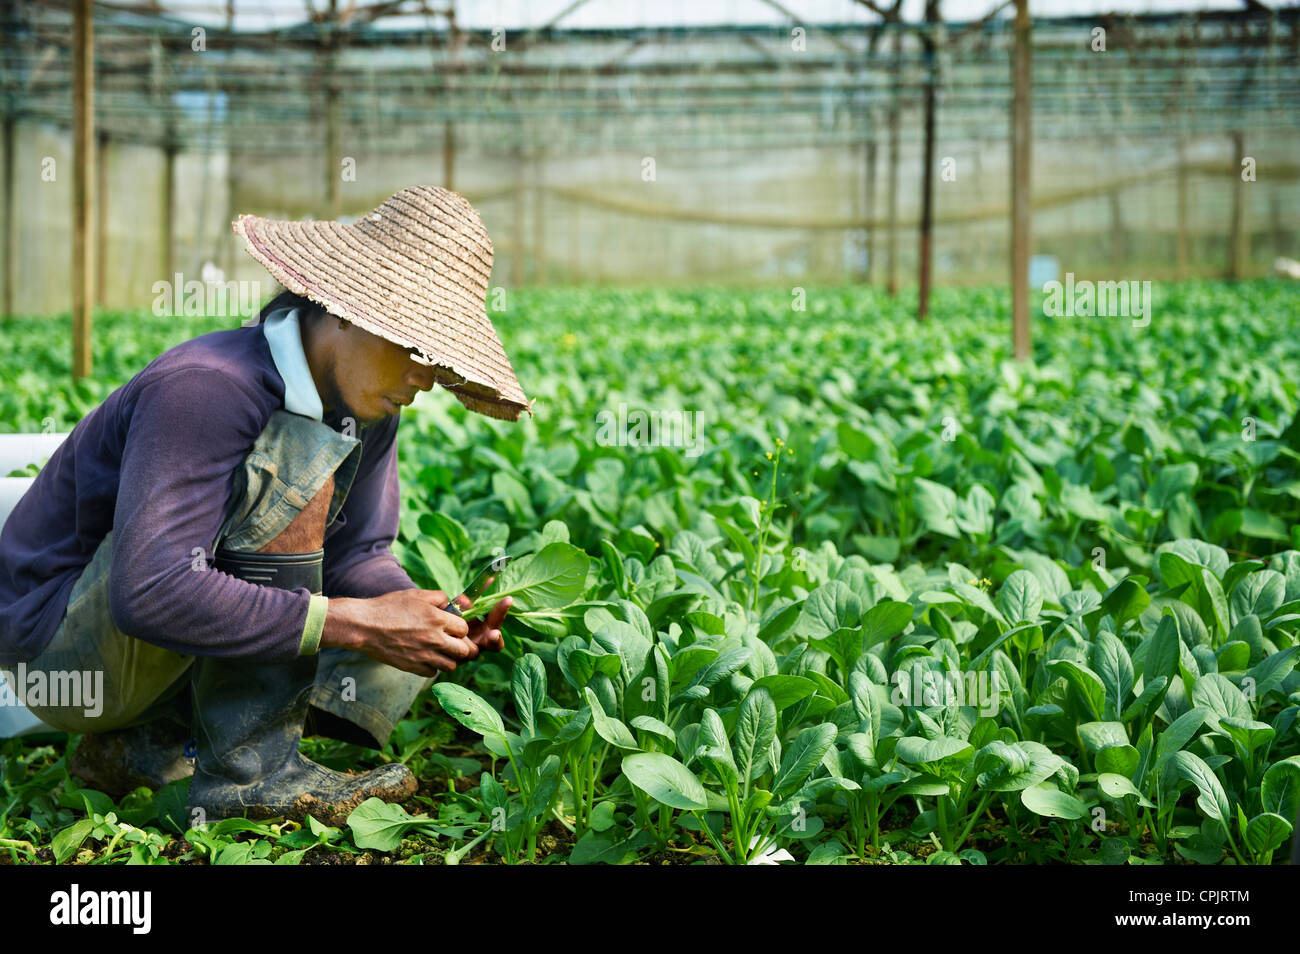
x=249, y=719
x=118, y=762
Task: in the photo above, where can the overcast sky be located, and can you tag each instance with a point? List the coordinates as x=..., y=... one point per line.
x=516, y=14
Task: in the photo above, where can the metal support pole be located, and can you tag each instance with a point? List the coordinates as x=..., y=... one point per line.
x=8, y=226
x=1239, y=241
x=1181, y=241
x=101, y=217
x=927, y=172
x=892, y=229
x=168, y=235
x=1021, y=183
x=83, y=187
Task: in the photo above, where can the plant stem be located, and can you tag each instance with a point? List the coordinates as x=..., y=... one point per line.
x=983, y=803
x=716, y=843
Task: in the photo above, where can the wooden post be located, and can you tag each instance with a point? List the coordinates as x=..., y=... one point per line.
x=449, y=128
x=332, y=118
x=1118, y=245
x=168, y=235
x=869, y=211
x=83, y=187
x=101, y=216
x=517, y=266
x=8, y=226
x=449, y=156
x=232, y=205
x=539, y=216
x=1239, y=240
x=892, y=228
x=1021, y=183
x=1181, y=241
x=869, y=203
x=927, y=172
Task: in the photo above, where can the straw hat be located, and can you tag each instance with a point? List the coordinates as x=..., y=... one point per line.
x=413, y=271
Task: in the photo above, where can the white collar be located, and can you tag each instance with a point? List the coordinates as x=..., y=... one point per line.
x=285, y=339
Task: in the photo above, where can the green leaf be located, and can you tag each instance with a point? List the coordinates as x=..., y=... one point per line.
x=1248, y=734
x=551, y=578
x=1014, y=766
x=1020, y=597
x=936, y=507
x=65, y=843
x=712, y=746
x=755, y=730
x=1267, y=832
x=1085, y=682
x=528, y=684
x=442, y=570
x=1171, y=483
x=1118, y=786
x=469, y=709
x=884, y=621
x=379, y=825
x=666, y=780
x=1180, y=732
x=803, y=755
x=830, y=607
x=1280, y=789
x=1260, y=593
x=1212, y=799
x=1217, y=694
x=610, y=729
x=918, y=751
x=1111, y=662
x=786, y=690
x=1117, y=759
x=1051, y=803
x=1125, y=601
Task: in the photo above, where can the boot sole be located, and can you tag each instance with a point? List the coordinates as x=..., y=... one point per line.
x=334, y=814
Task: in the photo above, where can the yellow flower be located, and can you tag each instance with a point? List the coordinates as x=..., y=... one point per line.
x=769, y=455
x=779, y=442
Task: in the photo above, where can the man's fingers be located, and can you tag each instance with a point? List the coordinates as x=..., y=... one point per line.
x=452, y=624
x=457, y=648
x=440, y=663
x=437, y=597
x=498, y=614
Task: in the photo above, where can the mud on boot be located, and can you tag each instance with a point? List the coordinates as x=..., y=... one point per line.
x=120, y=761
x=249, y=719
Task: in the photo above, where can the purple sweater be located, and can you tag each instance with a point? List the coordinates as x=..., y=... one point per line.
x=156, y=463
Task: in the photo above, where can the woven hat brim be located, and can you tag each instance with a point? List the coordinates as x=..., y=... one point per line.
x=347, y=272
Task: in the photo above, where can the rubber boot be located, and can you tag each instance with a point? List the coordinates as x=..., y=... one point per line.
x=153, y=751
x=249, y=715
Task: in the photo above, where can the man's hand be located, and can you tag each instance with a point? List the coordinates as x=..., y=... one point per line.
x=410, y=630
x=485, y=633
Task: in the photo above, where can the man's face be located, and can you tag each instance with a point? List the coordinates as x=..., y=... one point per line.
x=373, y=377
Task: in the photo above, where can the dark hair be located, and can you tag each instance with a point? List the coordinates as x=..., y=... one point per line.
x=311, y=311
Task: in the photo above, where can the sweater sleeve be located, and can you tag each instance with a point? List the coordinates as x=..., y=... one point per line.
x=358, y=561
x=189, y=432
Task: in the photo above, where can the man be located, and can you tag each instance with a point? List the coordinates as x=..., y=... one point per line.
x=214, y=538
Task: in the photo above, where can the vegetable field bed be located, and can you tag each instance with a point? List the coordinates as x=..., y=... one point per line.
x=854, y=590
